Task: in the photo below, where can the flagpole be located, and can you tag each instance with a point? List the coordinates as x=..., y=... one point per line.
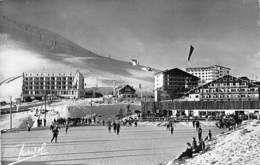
x=11, y=112
x=140, y=86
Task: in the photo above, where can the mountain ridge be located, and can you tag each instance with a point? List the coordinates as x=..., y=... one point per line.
x=57, y=47
x=26, y=48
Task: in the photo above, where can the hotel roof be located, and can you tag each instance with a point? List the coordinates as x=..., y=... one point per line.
x=208, y=67
x=177, y=72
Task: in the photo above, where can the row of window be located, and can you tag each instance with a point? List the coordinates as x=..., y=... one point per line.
x=47, y=78
x=49, y=92
x=230, y=90
x=39, y=81
x=49, y=74
x=227, y=96
x=47, y=87
x=228, y=84
x=48, y=83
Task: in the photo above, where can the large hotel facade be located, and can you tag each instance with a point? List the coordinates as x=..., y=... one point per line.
x=226, y=88
x=38, y=85
x=171, y=84
x=208, y=74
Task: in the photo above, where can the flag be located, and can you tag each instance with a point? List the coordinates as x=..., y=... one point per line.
x=191, y=50
x=140, y=86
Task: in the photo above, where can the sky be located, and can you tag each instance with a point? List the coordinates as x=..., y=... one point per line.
x=156, y=32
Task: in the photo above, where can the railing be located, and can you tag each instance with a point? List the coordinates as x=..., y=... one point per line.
x=190, y=105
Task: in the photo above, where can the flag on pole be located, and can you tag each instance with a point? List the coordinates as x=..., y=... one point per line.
x=191, y=50
x=140, y=86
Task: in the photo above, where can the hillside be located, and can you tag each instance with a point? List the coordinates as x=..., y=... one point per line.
x=26, y=48
x=239, y=146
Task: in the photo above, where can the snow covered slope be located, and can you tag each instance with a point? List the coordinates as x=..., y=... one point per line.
x=26, y=48
x=241, y=146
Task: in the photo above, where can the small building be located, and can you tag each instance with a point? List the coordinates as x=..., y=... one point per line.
x=226, y=88
x=125, y=91
x=173, y=83
x=134, y=62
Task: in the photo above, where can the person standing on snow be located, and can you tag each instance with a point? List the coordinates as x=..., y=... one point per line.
x=117, y=128
x=210, y=135
x=109, y=126
x=55, y=133
x=114, y=126
x=66, y=127
x=199, y=133
x=172, y=128
x=194, y=143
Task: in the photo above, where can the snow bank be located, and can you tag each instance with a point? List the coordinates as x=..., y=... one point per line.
x=148, y=123
x=64, y=109
x=241, y=146
x=18, y=120
x=203, y=123
x=164, y=123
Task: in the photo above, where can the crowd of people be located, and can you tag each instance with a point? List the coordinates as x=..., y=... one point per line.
x=116, y=126
x=57, y=124
x=230, y=121
x=129, y=122
x=196, y=146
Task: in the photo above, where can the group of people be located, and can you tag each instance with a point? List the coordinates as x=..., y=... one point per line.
x=115, y=125
x=130, y=122
x=230, y=121
x=195, y=147
x=41, y=122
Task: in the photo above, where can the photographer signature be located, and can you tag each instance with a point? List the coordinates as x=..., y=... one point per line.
x=30, y=153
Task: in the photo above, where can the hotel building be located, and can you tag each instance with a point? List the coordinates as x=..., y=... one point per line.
x=208, y=74
x=38, y=85
x=226, y=88
x=171, y=84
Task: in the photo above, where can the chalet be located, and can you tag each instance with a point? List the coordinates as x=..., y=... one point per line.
x=226, y=88
x=125, y=91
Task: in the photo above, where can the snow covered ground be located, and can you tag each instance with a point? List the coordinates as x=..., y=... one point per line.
x=65, y=109
x=241, y=146
x=163, y=123
x=94, y=145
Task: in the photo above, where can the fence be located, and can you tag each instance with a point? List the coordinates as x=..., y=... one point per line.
x=152, y=107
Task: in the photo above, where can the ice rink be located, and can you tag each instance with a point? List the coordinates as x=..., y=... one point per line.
x=94, y=145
